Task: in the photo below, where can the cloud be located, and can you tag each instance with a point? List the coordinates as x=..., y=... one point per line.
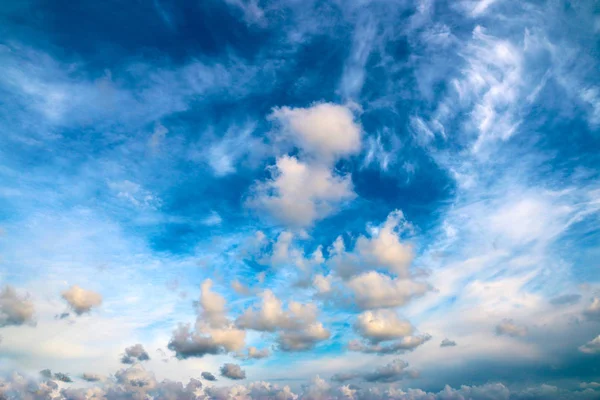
x=406, y=343
x=381, y=325
x=509, y=328
x=392, y=372
x=376, y=290
x=447, y=343
x=306, y=188
x=232, y=371
x=89, y=377
x=15, y=309
x=255, y=354
x=324, y=131
x=135, y=353
x=593, y=310
x=565, y=299
x=213, y=219
x=591, y=347
x=208, y=376
x=299, y=194
x=58, y=376
x=297, y=326
x=80, y=300
x=214, y=332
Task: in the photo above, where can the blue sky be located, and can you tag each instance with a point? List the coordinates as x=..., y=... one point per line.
x=364, y=199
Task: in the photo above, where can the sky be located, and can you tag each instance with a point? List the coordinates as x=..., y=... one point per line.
x=340, y=199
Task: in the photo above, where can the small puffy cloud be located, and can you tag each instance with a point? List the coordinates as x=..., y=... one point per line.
x=208, y=376
x=589, y=385
x=376, y=290
x=509, y=328
x=447, y=343
x=324, y=131
x=299, y=193
x=59, y=376
x=304, y=339
x=381, y=325
x=257, y=354
x=232, y=371
x=135, y=353
x=214, y=333
x=593, y=311
x=565, y=299
x=14, y=308
x=212, y=219
x=81, y=300
x=591, y=347
x=136, y=379
x=407, y=343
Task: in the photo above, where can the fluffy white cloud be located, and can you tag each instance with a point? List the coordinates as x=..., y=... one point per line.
x=298, y=327
x=14, y=309
x=299, y=193
x=381, y=325
x=326, y=131
x=81, y=300
x=376, y=290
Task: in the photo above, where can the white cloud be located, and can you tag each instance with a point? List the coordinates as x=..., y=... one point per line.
x=81, y=300
x=381, y=325
x=299, y=194
x=324, y=131
x=375, y=290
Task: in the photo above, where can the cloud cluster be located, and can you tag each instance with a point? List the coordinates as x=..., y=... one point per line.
x=305, y=189
x=81, y=300
x=15, y=309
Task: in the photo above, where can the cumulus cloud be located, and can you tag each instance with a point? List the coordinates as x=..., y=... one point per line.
x=14, y=308
x=376, y=290
x=325, y=131
x=591, y=347
x=80, y=300
x=254, y=354
x=299, y=193
x=208, y=376
x=447, y=343
x=214, y=333
x=232, y=371
x=135, y=353
x=510, y=328
x=381, y=325
x=297, y=326
x=89, y=377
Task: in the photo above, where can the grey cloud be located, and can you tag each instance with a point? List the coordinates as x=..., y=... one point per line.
x=15, y=309
x=407, y=343
x=186, y=343
x=447, y=343
x=392, y=372
x=59, y=376
x=134, y=354
x=565, y=299
x=232, y=371
x=89, y=377
x=208, y=376
x=510, y=328
x=593, y=310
